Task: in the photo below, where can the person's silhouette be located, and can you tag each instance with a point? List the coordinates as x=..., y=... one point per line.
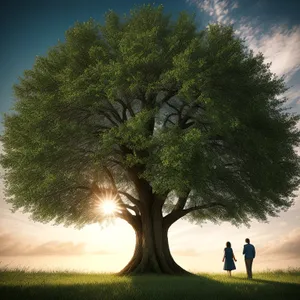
x=249, y=252
x=228, y=258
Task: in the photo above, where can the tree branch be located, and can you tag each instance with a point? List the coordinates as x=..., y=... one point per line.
x=117, y=192
x=204, y=206
x=131, y=198
x=125, y=107
x=181, y=202
x=111, y=177
x=115, y=162
x=177, y=214
x=133, y=208
x=109, y=118
x=187, y=125
x=183, y=122
x=169, y=94
x=124, y=214
x=168, y=119
x=134, y=221
x=114, y=112
x=174, y=107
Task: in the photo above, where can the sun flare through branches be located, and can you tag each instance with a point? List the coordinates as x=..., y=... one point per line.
x=108, y=206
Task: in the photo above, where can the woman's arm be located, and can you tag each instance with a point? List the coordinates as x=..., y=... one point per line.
x=223, y=256
x=233, y=256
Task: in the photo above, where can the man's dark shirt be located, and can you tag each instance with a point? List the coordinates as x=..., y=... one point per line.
x=249, y=251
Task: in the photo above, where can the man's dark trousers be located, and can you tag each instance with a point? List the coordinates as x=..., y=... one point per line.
x=248, y=262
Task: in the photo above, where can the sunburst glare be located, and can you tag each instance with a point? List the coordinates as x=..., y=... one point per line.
x=108, y=206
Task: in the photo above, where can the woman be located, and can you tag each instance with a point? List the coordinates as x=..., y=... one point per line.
x=228, y=258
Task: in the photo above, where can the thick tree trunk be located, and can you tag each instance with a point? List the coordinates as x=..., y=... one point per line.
x=152, y=253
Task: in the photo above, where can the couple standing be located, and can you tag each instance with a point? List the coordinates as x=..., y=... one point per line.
x=249, y=252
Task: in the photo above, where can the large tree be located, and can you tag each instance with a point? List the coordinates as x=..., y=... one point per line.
x=167, y=120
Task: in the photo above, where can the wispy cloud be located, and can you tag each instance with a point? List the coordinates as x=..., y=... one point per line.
x=218, y=10
x=279, y=44
x=286, y=247
x=185, y=252
x=293, y=96
x=13, y=245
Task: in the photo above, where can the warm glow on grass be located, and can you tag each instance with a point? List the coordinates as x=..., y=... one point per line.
x=108, y=206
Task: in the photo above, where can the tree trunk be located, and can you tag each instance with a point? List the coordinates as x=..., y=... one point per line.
x=152, y=253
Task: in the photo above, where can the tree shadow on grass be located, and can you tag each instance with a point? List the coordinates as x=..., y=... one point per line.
x=153, y=287
x=274, y=282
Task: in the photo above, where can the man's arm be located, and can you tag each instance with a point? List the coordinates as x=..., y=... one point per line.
x=244, y=250
x=254, y=252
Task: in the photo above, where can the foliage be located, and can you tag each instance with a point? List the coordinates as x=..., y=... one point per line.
x=195, y=114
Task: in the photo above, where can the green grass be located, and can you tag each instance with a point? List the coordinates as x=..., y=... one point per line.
x=19, y=284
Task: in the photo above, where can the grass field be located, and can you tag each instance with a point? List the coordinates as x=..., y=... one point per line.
x=20, y=284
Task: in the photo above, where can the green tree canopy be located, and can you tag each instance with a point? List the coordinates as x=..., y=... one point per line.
x=171, y=121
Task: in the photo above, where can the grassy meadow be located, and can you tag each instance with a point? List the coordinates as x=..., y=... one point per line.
x=22, y=284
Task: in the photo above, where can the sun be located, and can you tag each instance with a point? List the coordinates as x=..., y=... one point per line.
x=108, y=206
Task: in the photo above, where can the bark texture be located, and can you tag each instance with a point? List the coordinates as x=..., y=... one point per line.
x=152, y=252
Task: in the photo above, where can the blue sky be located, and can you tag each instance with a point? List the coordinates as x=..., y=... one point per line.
x=29, y=28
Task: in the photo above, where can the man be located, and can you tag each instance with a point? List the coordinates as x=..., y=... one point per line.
x=249, y=252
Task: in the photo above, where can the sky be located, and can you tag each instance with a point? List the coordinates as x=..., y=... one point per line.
x=29, y=28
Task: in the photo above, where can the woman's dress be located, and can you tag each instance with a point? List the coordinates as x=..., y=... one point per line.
x=229, y=263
